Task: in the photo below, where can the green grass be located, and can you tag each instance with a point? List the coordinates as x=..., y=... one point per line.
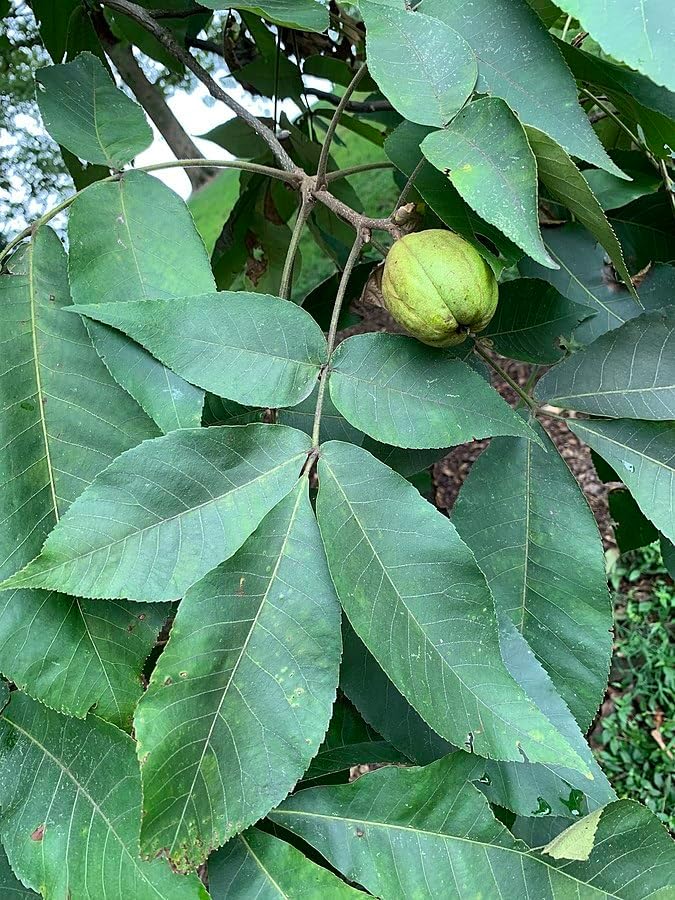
x=637, y=738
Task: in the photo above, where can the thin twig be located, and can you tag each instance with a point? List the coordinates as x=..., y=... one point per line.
x=166, y=38
x=409, y=184
x=176, y=13
x=354, y=170
x=566, y=28
x=357, y=106
x=332, y=333
x=334, y=122
x=356, y=219
x=505, y=376
x=613, y=116
x=281, y=174
x=287, y=275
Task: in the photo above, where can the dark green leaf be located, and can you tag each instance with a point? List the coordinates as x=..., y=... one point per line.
x=517, y=62
x=129, y=240
x=53, y=22
x=668, y=553
x=224, y=412
x=640, y=35
x=415, y=596
x=71, y=801
x=633, y=94
x=485, y=154
x=242, y=695
x=454, y=847
x=165, y=513
x=320, y=300
x=643, y=455
x=238, y=138
x=406, y=394
x=566, y=184
x=632, y=529
x=423, y=67
x=626, y=373
x=349, y=742
x=305, y=15
x=645, y=229
x=613, y=192
x=256, y=864
x=83, y=110
x=64, y=420
x=216, y=342
x=534, y=536
x=531, y=317
x=10, y=886
x=586, y=277
x=403, y=148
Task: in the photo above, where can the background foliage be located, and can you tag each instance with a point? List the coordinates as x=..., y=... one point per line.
x=224, y=583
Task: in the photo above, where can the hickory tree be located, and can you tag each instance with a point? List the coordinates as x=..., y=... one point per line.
x=221, y=587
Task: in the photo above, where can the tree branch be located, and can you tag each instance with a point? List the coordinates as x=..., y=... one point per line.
x=334, y=122
x=362, y=106
x=166, y=38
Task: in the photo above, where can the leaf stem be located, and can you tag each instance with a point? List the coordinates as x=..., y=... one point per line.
x=166, y=38
x=615, y=118
x=354, y=170
x=288, y=177
x=293, y=246
x=409, y=184
x=332, y=333
x=566, y=27
x=668, y=182
x=505, y=376
x=334, y=122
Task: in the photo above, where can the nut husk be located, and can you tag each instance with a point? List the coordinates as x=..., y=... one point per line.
x=438, y=287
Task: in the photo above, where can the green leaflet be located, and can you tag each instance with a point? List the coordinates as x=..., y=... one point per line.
x=424, y=67
x=403, y=149
x=486, y=155
x=216, y=342
x=641, y=36
x=129, y=240
x=259, y=865
x=415, y=596
x=64, y=420
x=627, y=373
x=383, y=832
x=643, y=456
x=545, y=790
x=241, y=697
x=83, y=110
x=531, y=318
x=517, y=62
x=350, y=741
x=305, y=15
x=71, y=797
x=567, y=184
x=585, y=278
x=403, y=393
x=164, y=514
x=534, y=536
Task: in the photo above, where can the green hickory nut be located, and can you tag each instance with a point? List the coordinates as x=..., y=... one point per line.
x=438, y=287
